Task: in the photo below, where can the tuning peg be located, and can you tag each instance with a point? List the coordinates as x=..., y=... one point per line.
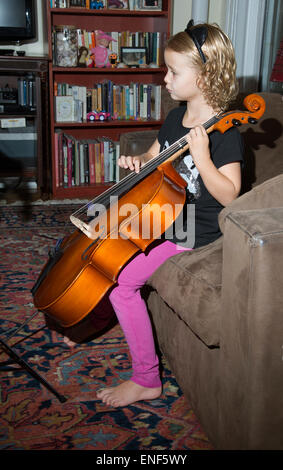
x=236, y=122
x=252, y=120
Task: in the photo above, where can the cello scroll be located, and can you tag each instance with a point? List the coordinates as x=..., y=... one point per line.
x=255, y=105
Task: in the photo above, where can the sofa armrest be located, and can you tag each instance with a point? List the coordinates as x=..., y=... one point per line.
x=251, y=327
x=266, y=195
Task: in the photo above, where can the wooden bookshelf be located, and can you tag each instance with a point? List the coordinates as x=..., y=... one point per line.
x=108, y=21
x=33, y=109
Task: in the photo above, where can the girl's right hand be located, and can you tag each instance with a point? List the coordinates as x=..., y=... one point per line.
x=133, y=163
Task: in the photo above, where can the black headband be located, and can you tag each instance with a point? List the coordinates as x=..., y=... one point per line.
x=198, y=35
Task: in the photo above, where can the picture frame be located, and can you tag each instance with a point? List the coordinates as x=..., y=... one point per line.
x=134, y=56
x=151, y=5
x=118, y=4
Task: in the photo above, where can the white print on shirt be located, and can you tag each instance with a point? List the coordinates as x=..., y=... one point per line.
x=186, y=168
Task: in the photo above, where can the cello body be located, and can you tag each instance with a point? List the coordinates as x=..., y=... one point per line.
x=76, y=283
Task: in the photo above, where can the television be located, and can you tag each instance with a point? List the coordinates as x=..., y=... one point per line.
x=17, y=21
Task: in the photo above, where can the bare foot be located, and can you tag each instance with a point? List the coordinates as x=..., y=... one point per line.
x=126, y=393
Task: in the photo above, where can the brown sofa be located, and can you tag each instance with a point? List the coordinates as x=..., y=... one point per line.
x=218, y=311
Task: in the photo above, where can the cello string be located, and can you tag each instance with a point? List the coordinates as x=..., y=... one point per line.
x=130, y=180
x=119, y=188
x=160, y=158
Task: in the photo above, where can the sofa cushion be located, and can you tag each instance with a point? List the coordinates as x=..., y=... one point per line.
x=190, y=283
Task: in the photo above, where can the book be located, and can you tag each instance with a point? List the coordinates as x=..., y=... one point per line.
x=91, y=153
x=134, y=101
x=56, y=159
x=64, y=108
x=85, y=161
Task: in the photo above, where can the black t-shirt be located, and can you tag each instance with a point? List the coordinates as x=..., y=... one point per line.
x=224, y=148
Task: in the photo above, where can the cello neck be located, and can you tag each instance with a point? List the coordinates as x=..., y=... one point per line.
x=169, y=154
x=173, y=151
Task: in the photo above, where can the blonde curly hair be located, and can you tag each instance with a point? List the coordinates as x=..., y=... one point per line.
x=217, y=76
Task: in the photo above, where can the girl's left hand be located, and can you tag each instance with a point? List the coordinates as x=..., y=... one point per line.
x=199, y=145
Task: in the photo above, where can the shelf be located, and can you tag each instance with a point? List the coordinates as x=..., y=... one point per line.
x=107, y=12
x=87, y=191
x=80, y=70
x=94, y=125
x=11, y=114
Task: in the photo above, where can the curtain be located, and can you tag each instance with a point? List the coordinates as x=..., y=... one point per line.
x=272, y=36
x=245, y=25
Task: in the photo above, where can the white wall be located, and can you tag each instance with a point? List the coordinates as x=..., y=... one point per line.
x=182, y=10
x=217, y=12
x=40, y=47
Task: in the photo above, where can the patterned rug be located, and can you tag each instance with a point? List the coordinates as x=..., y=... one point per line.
x=32, y=418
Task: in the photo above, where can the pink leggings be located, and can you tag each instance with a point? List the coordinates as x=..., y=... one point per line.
x=132, y=313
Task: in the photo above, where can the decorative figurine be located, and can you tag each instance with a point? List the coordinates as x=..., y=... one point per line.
x=113, y=59
x=117, y=4
x=84, y=60
x=100, y=51
x=96, y=5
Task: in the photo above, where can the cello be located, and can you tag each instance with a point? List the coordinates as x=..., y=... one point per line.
x=81, y=269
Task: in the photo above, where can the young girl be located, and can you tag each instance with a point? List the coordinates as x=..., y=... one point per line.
x=201, y=72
